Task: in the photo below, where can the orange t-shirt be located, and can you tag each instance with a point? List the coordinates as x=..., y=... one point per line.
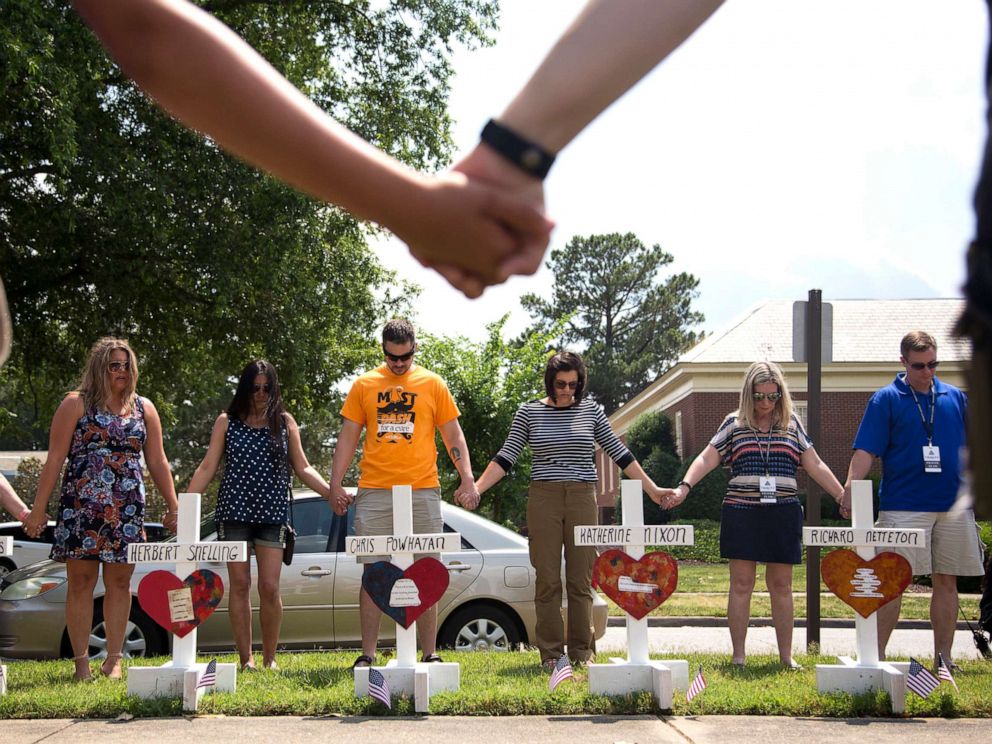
x=399, y=413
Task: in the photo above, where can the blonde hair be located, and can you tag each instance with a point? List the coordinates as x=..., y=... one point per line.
x=758, y=374
x=94, y=387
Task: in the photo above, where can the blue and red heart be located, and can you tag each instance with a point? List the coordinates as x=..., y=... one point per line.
x=428, y=574
x=206, y=588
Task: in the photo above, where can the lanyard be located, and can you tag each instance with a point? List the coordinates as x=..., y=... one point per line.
x=927, y=425
x=766, y=454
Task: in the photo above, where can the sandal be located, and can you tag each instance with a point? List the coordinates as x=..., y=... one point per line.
x=363, y=661
x=432, y=659
x=115, y=670
x=89, y=673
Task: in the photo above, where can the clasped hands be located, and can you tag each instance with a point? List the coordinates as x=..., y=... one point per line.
x=33, y=525
x=467, y=495
x=666, y=498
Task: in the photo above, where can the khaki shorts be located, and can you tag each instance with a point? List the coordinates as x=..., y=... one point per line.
x=374, y=516
x=953, y=545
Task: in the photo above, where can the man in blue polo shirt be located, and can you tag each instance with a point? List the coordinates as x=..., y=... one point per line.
x=917, y=426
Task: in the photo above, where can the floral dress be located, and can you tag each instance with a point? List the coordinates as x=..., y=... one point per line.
x=103, y=495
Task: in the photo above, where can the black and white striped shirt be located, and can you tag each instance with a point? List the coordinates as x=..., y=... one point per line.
x=562, y=441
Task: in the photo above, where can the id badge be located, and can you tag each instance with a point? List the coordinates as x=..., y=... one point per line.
x=766, y=486
x=931, y=459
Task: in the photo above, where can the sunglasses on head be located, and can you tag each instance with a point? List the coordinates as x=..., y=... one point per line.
x=262, y=388
x=400, y=357
x=562, y=385
x=919, y=366
x=769, y=396
x=118, y=366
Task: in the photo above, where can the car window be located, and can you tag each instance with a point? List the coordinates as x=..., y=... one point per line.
x=466, y=545
x=312, y=521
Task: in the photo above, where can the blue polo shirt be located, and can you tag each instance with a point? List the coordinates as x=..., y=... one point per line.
x=892, y=430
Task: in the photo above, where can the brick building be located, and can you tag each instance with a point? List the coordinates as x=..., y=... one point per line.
x=860, y=355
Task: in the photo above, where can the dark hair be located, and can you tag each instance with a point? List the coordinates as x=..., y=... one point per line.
x=399, y=331
x=241, y=405
x=916, y=341
x=565, y=361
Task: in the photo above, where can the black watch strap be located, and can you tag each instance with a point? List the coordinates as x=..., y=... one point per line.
x=529, y=157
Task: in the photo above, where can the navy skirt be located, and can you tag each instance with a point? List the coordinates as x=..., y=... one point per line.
x=767, y=533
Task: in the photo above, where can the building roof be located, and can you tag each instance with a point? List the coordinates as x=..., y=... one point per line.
x=862, y=331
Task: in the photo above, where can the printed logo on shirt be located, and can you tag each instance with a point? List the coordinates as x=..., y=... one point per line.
x=394, y=415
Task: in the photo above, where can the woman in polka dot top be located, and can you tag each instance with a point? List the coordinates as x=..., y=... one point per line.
x=259, y=442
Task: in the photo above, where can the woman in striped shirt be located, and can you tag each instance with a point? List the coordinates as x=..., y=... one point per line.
x=562, y=431
x=763, y=443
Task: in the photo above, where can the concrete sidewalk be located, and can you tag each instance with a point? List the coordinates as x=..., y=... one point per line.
x=517, y=729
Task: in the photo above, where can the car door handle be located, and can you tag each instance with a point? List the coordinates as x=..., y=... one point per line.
x=458, y=567
x=314, y=571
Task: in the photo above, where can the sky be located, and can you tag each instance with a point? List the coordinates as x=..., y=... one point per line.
x=787, y=145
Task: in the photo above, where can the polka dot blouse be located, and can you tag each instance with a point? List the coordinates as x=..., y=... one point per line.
x=254, y=489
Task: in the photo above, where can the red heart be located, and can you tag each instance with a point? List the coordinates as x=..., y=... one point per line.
x=657, y=573
x=428, y=574
x=865, y=585
x=206, y=587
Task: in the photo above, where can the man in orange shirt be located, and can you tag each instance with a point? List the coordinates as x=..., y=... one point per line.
x=399, y=405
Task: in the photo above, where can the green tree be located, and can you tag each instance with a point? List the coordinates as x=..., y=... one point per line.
x=629, y=322
x=489, y=381
x=652, y=442
x=115, y=219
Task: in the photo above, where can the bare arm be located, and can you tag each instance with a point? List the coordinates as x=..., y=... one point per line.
x=10, y=501
x=861, y=462
x=158, y=464
x=454, y=442
x=634, y=471
x=344, y=453
x=206, y=76
x=819, y=472
x=59, y=440
x=207, y=469
x=301, y=466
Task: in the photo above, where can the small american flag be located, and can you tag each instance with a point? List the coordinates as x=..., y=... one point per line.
x=944, y=671
x=920, y=680
x=379, y=688
x=562, y=671
x=209, y=678
x=697, y=686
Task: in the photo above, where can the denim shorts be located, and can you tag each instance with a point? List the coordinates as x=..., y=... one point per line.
x=265, y=535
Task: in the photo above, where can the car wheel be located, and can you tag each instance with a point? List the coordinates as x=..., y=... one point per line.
x=142, y=636
x=5, y=567
x=480, y=627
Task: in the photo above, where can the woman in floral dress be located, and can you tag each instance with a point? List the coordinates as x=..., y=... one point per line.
x=102, y=427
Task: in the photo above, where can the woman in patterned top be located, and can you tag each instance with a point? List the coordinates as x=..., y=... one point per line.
x=103, y=427
x=259, y=441
x=763, y=443
x=562, y=431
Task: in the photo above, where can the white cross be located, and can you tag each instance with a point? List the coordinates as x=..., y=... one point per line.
x=6, y=545
x=181, y=675
x=640, y=672
x=862, y=535
x=405, y=674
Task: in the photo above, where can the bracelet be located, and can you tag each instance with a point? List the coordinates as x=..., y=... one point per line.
x=527, y=156
x=687, y=484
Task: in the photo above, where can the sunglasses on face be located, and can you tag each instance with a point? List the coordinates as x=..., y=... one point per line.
x=118, y=366
x=262, y=388
x=920, y=366
x=400, y=357
x=562, y=385
x=763, y=396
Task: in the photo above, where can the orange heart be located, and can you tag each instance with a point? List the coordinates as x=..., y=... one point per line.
x=636, y=586
x=866, y=585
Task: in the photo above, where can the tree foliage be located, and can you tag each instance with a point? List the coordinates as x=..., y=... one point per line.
x=629, y=323
x=489, y=380
x=114, y=219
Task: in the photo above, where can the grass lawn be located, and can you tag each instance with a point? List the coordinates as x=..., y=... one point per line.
x=491, y=684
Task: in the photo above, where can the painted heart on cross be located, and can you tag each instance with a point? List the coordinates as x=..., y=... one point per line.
x=637, y=586
x=161, y=595
x=405, y=595
x=863, y=584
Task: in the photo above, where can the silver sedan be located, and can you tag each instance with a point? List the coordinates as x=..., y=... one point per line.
x=489, y=604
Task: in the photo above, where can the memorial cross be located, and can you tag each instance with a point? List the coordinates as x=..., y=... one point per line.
x=181, y=675
x=637, y=672
x=405, y=674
